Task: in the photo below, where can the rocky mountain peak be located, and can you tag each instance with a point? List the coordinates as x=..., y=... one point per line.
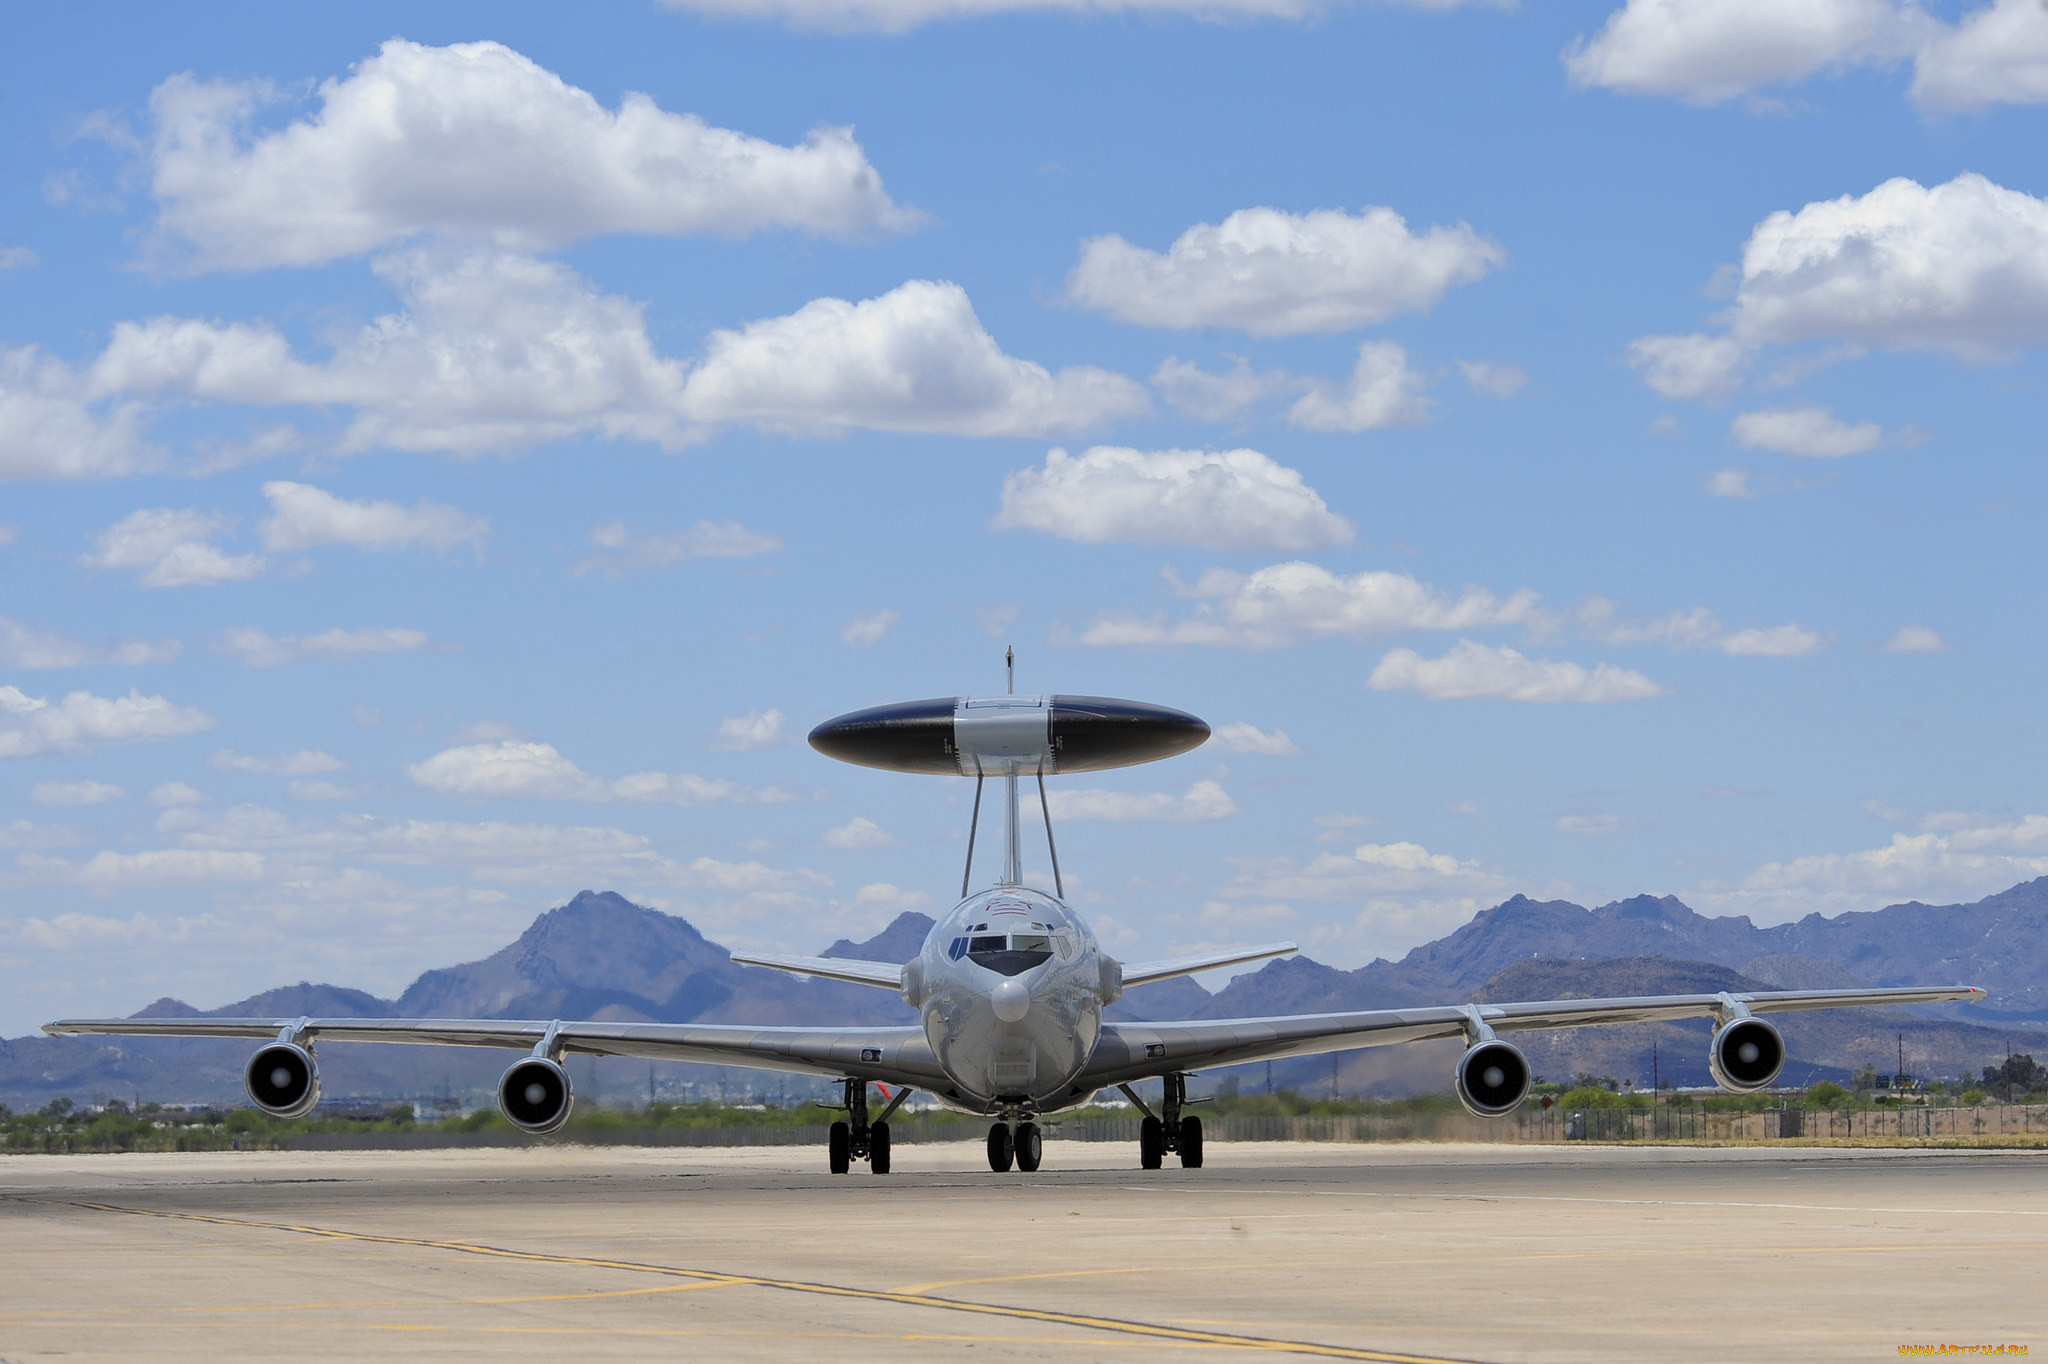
x=896, y=944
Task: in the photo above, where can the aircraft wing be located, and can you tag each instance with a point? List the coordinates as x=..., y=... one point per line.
x=1145, y=972
x=877, y=973
x=1135, y=1051
x=892, y=1055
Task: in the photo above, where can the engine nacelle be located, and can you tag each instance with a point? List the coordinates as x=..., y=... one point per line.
x=283, y=1080
x=1747, y=1055
x=534, y=1096
x=1493, y=1079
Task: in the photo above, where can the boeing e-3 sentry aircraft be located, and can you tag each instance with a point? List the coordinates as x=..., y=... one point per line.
x=1011, y=984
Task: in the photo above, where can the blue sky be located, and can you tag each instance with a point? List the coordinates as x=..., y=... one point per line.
x=449, y=462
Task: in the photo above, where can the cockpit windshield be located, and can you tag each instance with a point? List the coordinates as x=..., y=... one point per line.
x=1007, y=954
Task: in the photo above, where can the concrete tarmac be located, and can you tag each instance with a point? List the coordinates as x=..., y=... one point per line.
x=1483, y=1253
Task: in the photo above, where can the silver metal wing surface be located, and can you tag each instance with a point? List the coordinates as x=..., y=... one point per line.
x=1136, y=1051
x=891, y=1055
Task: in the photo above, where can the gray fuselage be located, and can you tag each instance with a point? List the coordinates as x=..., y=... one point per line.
x=1011, y=986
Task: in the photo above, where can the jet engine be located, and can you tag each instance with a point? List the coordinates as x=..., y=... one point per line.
x=1747, y=1055
x=283, y=1080
x=534, y=1096
x=1493, y=1078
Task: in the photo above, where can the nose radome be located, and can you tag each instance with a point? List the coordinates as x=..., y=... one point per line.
x=1011, y=1001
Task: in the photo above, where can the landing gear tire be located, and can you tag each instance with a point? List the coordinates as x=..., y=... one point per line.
x=1030, y=1146
x=839, y=1147
x=1191, y=1143
x=878, y=1148
x=1000, y=1150
x=1151, y=1144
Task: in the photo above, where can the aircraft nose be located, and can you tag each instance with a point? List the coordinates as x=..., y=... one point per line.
x=1011, y=1001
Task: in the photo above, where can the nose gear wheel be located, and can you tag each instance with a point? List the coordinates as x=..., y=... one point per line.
x=1001, y=1151
x=1029, y=1146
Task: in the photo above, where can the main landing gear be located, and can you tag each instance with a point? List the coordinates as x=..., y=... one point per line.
x=856, y=1138
x=1023, y=1145
x=1168, y=1131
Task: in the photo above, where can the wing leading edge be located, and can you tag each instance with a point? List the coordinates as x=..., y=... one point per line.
x=1145, y=972
x=891, y=1055
x=1136, y=1051
x=853, y=972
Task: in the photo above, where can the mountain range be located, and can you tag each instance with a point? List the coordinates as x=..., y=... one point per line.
x=601, y=956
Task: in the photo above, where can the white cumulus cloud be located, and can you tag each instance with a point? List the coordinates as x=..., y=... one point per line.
x=173, y=794
x=1480, y=672
x=915, y=359
x=1232, y=499
x=1693, y=628
x=514, y=770
x=1953, y=856
x=53, y=427
x=31, y=726
x=755, y=729
x=1274, y=273
x=1730, y=483
x=887, y=898
x=173, y=548
x=1915, y=639
x=305, y=517
x=898, y=16
x=72, y=793
x=1806, y=430
x=1493, y=379
x=507, y=770
x=491, y=352
x=305, y=763
x=1706, y=51
x=624, y=551
x=261, y=649
x=1382, y=391
x=1697, y=367
x=494, y=352
x=25, y=646
x=1777, y=641
x=475, y=139
x=1206, y=799
x=860, y=832
x=1240, y=737
x=1217, y=397
x=867, y=631
x=1287, y=603
x=1998, y=54
x=1961, y=267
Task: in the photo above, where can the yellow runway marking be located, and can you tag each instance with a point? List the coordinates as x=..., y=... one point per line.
x=714, y=1278
x=1750, y=1251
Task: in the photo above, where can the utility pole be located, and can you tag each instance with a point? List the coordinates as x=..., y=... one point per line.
x=1656, y=1083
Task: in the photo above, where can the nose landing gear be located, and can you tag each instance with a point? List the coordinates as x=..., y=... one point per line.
x=1002, y=1151
x=1168, y=1130
x=855, y=1138
x=1022, y=1145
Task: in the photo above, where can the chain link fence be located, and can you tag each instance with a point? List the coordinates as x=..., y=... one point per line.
x=1991, y=1124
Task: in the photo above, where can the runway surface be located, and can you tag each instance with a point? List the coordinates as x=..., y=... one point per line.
x=1481, y=1253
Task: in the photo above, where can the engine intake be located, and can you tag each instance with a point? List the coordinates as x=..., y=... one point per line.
x=283, y=1080
x=534, y=1096
x=1747, y=1055
x=1493, y=1079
